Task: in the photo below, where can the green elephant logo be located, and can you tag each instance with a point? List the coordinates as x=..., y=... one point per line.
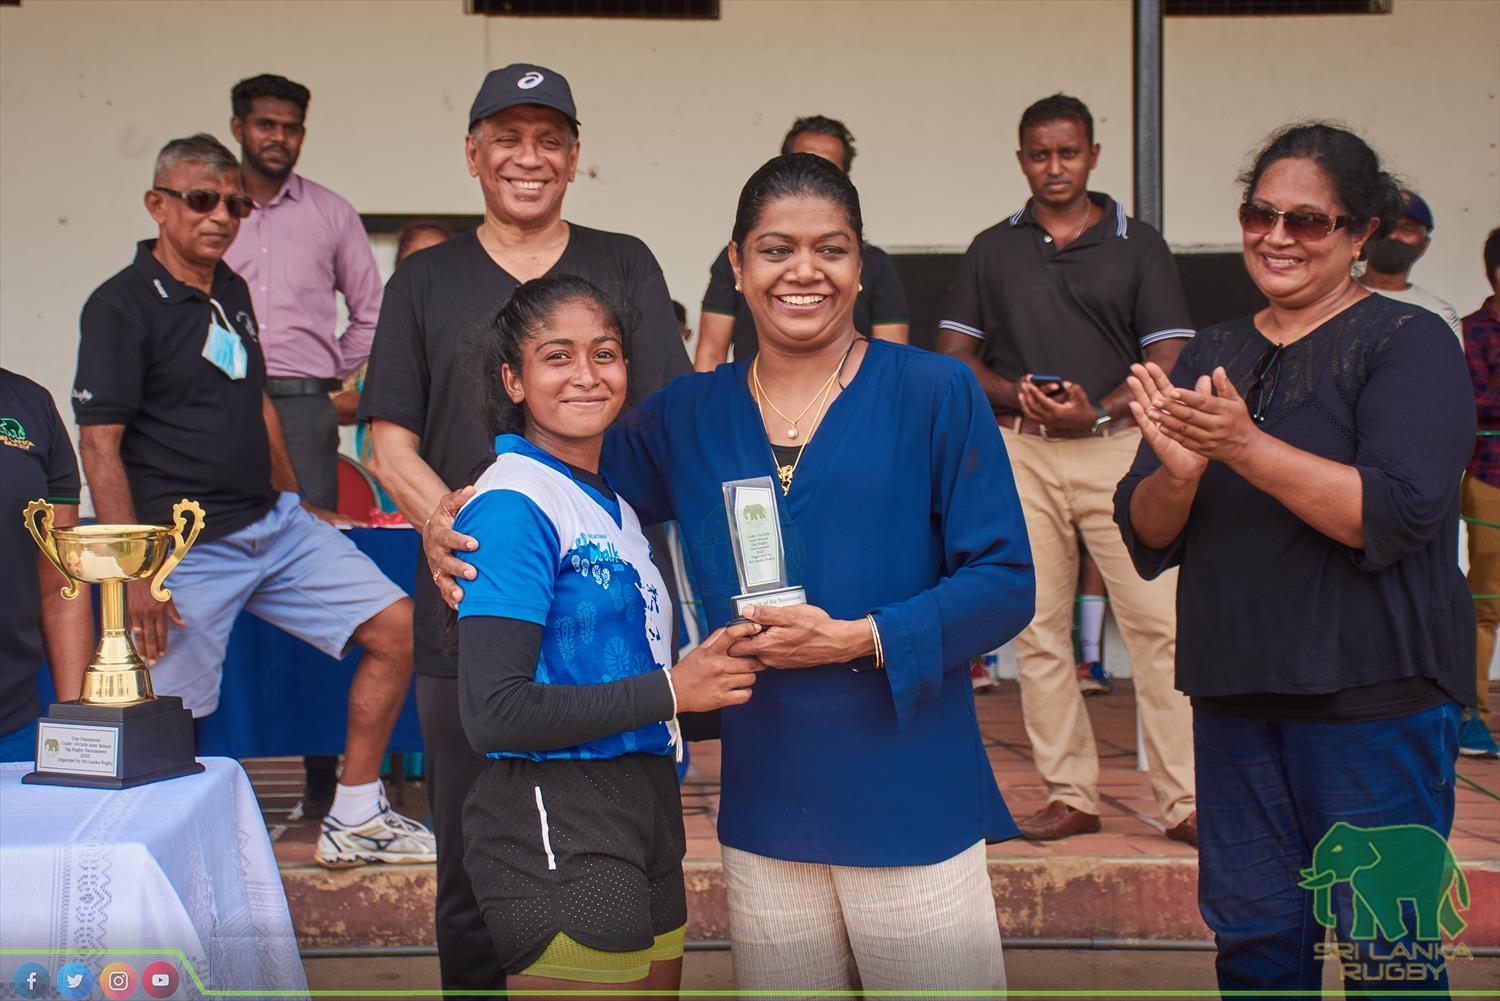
x=1384, y=866
x=50, y=744
x=755, y=512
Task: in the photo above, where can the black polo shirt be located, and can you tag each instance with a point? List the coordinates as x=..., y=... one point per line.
x=882, y=300
x=36, y=462
x=1085, y=312
x=190, y=430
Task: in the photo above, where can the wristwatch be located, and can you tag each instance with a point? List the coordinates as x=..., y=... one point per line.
x=1101, y=422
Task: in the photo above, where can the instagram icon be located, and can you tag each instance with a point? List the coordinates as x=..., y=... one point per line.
x=117, y=980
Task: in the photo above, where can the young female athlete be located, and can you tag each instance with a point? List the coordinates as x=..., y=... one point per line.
x=573, y=833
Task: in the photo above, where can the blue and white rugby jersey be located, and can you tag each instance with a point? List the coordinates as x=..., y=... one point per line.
x=556, y=552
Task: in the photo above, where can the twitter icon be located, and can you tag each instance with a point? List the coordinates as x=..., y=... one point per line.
x=74, y=981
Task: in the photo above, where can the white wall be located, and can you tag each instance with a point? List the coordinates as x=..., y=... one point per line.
x=676, y=114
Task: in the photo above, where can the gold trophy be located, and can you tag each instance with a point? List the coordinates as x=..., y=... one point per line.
x=118, y=734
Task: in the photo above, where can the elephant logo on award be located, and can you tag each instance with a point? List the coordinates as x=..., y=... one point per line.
x=755, y=512
x=1385, y=866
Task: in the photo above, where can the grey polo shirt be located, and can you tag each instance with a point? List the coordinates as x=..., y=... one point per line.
x=1085, y=312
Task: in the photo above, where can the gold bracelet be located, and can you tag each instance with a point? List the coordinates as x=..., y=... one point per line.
x=879, y=647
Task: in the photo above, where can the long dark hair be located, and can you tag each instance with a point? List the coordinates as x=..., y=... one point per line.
x=530, y=309
x=788, y=176
x=1353, y=170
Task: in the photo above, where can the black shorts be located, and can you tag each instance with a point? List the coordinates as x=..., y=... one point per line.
x=590, y=848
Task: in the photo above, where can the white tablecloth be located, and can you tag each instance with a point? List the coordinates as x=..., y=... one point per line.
x=181, y=864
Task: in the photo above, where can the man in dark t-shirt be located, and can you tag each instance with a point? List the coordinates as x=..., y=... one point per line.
x=36, y=463
x=171, y=404
x=879, y=309
x=422, y=401
x=1050, y=308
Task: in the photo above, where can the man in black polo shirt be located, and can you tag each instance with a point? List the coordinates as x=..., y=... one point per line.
x=170, y=399
x=422, y=400
x=879, y=309
x=1049, y=308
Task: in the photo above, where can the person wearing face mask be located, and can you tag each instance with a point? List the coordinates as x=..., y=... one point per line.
x=1389, y=260
x=1301, y=467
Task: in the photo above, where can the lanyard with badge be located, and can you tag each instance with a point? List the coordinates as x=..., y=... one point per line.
x=223, y=349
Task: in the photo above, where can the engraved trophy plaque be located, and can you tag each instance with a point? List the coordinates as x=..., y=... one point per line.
x=755, y=535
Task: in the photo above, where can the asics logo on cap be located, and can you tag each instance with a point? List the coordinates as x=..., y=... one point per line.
x=530, y=80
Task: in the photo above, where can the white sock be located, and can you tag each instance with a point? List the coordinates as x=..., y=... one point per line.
x=1090, y=626
x=355, y=804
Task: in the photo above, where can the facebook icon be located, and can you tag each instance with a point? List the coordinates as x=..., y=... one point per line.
x=30, y=981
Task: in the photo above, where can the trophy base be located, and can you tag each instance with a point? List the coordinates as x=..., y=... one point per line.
x=114, y=747
x=795, y=595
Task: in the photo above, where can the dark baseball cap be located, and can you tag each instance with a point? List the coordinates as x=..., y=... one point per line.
x=1413, y=206
x=523, y=83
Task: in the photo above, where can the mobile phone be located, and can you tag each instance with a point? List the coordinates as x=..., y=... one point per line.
x=1048, y=384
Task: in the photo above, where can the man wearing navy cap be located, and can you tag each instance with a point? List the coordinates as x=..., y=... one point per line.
x=1389, y=260
x=422, y=405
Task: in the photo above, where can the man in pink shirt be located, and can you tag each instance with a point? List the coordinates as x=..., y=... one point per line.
x=300, y=245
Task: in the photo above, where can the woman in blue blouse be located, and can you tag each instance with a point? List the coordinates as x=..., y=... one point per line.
x=573, y=831
x=856, y=794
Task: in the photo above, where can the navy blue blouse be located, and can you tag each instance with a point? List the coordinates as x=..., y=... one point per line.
x=903, y=505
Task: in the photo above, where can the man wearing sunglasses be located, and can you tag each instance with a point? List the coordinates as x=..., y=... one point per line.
x=170, y=400
x=1050, y=308
x=1389, y=260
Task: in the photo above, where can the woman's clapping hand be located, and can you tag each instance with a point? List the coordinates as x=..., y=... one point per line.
x=1188, y=427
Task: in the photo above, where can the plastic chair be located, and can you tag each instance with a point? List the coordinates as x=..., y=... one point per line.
x=357, y=496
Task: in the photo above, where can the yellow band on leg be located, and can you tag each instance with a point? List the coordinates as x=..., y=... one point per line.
x=568, y=959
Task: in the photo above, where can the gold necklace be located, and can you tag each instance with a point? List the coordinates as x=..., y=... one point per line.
x=791, y=431
x=786, y=472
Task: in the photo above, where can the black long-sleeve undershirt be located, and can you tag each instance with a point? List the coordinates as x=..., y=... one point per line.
x=503, y=708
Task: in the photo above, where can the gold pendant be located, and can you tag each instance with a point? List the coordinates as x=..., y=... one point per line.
x=791, y=433
x=785, y=472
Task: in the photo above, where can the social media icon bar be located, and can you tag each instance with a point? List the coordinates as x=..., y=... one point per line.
x=74, y=981
x=117, y=980
x=159, y=980
x=31, y=980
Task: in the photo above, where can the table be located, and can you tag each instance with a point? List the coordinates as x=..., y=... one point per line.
x=283, y=697
x=183, y=864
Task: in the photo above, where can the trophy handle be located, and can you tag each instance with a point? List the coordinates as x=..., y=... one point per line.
x=180, y=545
x=44, y=542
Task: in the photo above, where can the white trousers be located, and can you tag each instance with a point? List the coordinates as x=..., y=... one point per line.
x=801, y=926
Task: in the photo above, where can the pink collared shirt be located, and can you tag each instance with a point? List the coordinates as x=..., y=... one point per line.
x=294, y=253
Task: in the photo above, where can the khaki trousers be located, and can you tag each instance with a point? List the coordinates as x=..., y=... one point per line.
x=800, y=926
x=1482, y=501
x=1067, y=489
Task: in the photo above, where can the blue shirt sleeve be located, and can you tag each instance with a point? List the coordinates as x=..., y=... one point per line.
x=632, y=459
x=988, y=593
x=516, y=560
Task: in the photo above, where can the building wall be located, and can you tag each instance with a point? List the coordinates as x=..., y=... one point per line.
x=676, y=114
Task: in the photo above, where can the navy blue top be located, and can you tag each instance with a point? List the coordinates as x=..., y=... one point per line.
x=1267, y=604
x=904, y=506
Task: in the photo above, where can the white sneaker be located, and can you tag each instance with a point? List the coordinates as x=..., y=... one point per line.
x=385, y=837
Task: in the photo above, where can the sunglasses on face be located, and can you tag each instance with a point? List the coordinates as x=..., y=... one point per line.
x=1309, y=227
x=203, y=201
x=1263, y=384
